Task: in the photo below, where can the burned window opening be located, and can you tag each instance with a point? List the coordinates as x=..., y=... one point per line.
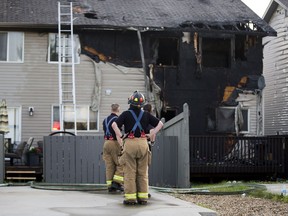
x=168, y=114
x=242, y=44
x=165, y=51
x=216, y=52
x=240, y=48
x=225, y=120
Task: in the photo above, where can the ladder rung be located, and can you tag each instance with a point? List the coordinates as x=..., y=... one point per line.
x=67, y=88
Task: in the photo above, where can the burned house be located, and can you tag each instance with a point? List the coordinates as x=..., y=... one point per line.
x=206, y=53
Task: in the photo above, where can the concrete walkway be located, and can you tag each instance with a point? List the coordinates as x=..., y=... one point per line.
x=27, y=201
x=276, y=188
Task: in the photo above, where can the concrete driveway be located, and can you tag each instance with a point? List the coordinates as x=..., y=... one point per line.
x=27, y=201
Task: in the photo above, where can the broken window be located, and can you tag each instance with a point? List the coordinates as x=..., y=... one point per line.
x=226, y=120
x=11, y=46
x=66, y=48
x=169, y=114
x=165, y=51
x=216, y=52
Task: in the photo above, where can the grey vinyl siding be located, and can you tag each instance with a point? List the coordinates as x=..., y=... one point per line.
x=35, y=83
x=123, y=82
x=276, y=76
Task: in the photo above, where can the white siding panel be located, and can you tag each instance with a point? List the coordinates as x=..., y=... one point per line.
x=275, y=68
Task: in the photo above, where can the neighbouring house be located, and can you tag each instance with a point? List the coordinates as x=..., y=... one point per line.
x=276, y=69
x=206, y=53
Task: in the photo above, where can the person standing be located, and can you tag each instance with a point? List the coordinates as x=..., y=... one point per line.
x=111, y=152
x=135, y=157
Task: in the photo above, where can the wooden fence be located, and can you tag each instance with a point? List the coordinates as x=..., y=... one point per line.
x=176, y=157
x=78, y=159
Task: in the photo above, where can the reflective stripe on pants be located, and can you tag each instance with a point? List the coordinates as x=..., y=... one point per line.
x=135, y=155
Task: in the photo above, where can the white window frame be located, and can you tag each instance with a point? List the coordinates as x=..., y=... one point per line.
x=88, y=120
x=14, y=123
x=248, y=120
x=11, y=44
x=66, y=41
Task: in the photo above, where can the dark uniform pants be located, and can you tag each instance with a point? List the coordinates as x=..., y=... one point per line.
x=135, y=160
x=111, y=153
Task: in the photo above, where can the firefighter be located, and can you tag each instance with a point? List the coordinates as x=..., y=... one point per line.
x=111, y=152
x=135, y=156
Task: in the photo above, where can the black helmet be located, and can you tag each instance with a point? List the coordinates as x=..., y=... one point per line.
x=136, y=99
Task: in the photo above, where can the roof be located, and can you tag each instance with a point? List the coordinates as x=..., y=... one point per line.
x=227, y=15
x=272, y=7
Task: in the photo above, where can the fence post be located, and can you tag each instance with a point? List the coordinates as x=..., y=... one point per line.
x=182, y=132
x=2, y=159
x=184, y=157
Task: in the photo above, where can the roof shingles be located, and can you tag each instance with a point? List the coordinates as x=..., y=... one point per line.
x=131, y=13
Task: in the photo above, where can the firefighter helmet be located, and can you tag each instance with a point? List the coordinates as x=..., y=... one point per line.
x=136, y=99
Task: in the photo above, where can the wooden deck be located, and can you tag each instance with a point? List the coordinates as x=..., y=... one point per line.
x=23, y=173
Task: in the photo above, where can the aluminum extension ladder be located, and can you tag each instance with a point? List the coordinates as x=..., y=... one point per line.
x=66, y=65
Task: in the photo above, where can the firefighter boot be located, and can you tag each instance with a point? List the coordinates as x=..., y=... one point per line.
x=111, y=189
x=142, y=202
x=126, y=202
x=117, y=186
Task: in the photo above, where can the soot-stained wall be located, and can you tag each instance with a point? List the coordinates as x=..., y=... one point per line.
x=225, y=59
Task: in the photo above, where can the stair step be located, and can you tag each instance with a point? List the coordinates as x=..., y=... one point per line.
x=20, y=171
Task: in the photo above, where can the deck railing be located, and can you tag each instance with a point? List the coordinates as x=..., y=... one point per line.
x=212, y=155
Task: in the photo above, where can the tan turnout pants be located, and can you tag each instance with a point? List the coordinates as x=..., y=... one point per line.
x=135, y=160
x=111, y=153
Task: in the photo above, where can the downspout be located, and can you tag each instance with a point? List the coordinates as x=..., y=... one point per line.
x=142, y=59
